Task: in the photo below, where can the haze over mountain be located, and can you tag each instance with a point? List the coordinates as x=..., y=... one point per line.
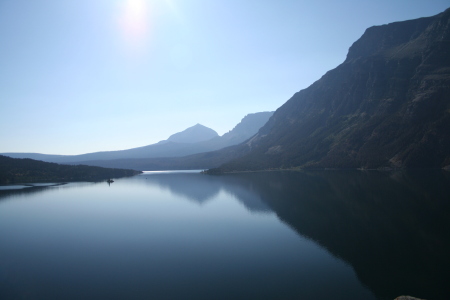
x=386, y=106
x=114, y=75
x=194, y=134
x=195, y=139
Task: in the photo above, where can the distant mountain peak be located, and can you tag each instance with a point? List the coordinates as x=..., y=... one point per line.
x=248, y=126
x=193, y=134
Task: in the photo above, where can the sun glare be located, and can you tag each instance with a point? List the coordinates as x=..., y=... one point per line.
x=135, y=22
x=136, y=19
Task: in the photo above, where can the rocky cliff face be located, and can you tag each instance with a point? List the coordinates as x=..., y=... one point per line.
x=386, y=106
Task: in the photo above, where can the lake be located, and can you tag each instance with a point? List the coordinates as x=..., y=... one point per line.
x=267, y=235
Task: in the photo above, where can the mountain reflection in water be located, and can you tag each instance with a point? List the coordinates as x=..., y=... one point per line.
x=210, y=186
x=391, y=227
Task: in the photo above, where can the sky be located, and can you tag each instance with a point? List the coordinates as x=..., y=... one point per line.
x=80, y=76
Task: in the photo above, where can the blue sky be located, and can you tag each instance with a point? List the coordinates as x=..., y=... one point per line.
x=79, y=76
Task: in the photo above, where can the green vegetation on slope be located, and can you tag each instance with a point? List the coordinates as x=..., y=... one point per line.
x=15, y=170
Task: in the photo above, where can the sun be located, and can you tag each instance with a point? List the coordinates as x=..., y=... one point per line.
x=136, y=8
x=135, y=21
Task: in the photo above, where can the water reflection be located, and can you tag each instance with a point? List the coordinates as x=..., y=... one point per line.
x=34, y=188
x=392, y=228
x=201, y=188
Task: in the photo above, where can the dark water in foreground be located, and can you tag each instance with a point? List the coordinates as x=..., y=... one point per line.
x=277, y=235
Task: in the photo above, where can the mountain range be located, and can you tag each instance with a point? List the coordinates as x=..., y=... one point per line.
x=386, y=106
x=195, y=139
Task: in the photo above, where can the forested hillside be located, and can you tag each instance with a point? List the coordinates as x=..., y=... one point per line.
x=16, y=170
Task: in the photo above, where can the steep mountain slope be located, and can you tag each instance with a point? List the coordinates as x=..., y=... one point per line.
x=244, y=130
x=247, y=128
x=387, y=105
x=195, y=139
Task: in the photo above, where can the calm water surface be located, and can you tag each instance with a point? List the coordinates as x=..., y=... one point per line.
x=276, y=235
